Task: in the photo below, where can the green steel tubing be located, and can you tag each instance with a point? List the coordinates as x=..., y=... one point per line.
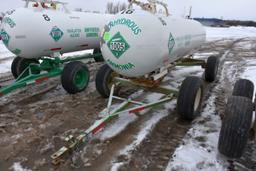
x=52, y=66
x=27, y=77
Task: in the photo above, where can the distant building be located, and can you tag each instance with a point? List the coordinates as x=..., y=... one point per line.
x=211, y=22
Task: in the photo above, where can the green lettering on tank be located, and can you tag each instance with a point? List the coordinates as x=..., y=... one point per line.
x=127, y=22
x=56, y=33
x=88, y=35
x=74, y=33
x=184, y=41
x=9, y=21
x=118, y=45
x=171, y=43
x=121, y=67
x=92, y=32
x=5, y=37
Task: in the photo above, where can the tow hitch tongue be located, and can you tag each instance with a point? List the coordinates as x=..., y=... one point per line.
x=74, y=142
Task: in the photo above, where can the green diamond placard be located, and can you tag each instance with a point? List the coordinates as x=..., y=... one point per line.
x=171, y=43
x=5, y=37
x=56, y=34
x=118, y=45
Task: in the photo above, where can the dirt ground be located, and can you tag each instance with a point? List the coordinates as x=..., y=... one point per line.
x=34, y=120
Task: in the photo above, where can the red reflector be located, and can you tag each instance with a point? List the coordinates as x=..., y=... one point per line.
x=136, y=110
x=1, y=94
x=84, y=45
x=56, y=49
x=42, y=79
x=95, y=130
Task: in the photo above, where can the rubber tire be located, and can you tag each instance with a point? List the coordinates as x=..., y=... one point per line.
x=244, y=88
x=68, y=75
x=102, y=77
x=14, y=66
x=100, y=59
x=186, y=98
x=20, y=64
x=235, y=126
x=211, y=69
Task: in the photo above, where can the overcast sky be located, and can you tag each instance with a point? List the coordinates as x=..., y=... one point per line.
x=227, y=9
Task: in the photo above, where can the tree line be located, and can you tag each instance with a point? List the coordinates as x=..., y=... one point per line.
x=113, y=8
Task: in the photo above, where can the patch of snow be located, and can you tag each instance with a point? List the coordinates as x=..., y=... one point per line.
x=148, y=126
x=125, y=119
x=250, y=71
x=16, y=137
x=18, y=167
x=82, y=52
x=5, y=66
x=5, y=59
x=182, y=71
x=145, y=130
x=4, y=52
x=204, y=55
x=152, y=97
x=118, y=126
x=215, y=33
x=245, y=45
x=116, y=166
x=201, y=154
x=10, y=140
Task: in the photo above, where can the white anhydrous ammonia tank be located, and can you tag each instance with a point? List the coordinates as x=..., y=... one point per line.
x=33, y=33
x=136, y=42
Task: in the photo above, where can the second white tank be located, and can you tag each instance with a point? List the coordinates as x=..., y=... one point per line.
x=136, y=42
x=34, y=32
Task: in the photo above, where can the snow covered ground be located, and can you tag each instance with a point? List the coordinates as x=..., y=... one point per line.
x=5, y=59
x=4, y=53
x=215, y=33
x=208, y=158
x=205, y=153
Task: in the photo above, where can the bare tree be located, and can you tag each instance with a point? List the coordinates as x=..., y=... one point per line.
x=79, y=9
x=1, y=16
x=113, y=8
x=109, y=7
